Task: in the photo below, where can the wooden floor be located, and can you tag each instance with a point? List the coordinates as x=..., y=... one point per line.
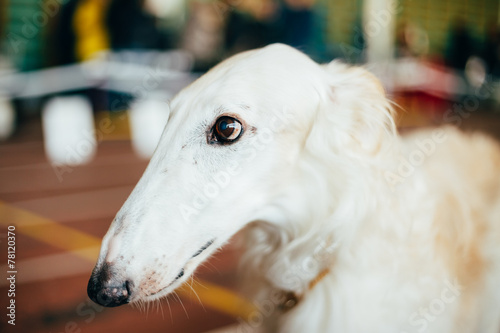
x=52, y=277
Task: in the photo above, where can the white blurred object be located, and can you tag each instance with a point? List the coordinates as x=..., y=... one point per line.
x=125, y=71
x=475, y=71
x=7, y=118
x=162, y=8
x=379, y=29
x=68, y=128
x=412, y=74
x=147, y=119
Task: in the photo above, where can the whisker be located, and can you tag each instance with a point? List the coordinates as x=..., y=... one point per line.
x=211, y=267
x=182, y=304
x=196, y=294
x=199, y=283
x=170, y=310
x=161, y=308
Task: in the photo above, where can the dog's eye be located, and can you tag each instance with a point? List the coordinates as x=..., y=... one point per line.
x=227, y=129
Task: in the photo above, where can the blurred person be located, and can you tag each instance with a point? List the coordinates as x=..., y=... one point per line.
x=402, y=45
x=302, y=25
x=86, y=28
x=252, y=24
x=131, y=27
x=89, y=25
x=460, y=45
x=203, y=36
x=462, y=56
x=491, y=49
x=80, y=34
x=63, y=36
x=3, y=22
x=217, y=30
x=298, y=22
x=412, y=40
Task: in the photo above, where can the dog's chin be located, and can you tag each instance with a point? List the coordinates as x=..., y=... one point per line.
x=177, y=282
x=160, y=293
x=164, y=292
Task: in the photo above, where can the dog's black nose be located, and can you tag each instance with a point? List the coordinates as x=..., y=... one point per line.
x=104, y=291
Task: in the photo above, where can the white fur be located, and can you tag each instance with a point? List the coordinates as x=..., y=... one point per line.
x=317, y=178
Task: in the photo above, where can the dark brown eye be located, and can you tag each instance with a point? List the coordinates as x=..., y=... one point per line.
x=227, y=129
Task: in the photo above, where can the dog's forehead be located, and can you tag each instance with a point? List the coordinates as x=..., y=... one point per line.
x=251, y=83
x=270, y=65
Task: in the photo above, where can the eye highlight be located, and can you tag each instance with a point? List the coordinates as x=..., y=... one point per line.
x=226, y=130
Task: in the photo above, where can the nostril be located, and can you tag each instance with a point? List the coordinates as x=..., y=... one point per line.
x=128, y=287
x=118, y=293
x=113, y=296
x=108, y=294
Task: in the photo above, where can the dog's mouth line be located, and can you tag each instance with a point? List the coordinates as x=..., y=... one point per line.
x=180, y=275
x=183, y=270
x=203, y=248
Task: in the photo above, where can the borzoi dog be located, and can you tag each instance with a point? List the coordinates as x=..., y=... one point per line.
x=358, y=229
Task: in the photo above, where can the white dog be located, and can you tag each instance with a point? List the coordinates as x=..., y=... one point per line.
x=352, y=228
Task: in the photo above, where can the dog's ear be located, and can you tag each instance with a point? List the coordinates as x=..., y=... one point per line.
x=354, y=117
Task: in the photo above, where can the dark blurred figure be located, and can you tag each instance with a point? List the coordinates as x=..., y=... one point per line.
x=460, y=45
x=251, y=25
x=204, y=33
x=63, y=40
x=412, y=41
x=297, y=23
x=84, y=28
x=131, y=27
x=66, y=46
x=491, y=50
x=3, y=21
x=114, y=25
x=297, y=20
x=402, y=45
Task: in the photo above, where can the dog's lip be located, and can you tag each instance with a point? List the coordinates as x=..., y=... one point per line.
x=181, y=277
x=203, y=248
x=186, y=271
x=162, y=289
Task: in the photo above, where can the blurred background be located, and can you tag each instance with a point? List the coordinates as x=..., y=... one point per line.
x=84, y=90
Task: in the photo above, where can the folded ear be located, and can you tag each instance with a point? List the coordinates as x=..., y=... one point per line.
x=354, y=117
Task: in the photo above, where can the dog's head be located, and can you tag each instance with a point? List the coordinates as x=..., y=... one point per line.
x=238, y=147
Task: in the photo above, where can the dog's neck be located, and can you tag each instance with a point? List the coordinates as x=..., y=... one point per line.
x=296, y=251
